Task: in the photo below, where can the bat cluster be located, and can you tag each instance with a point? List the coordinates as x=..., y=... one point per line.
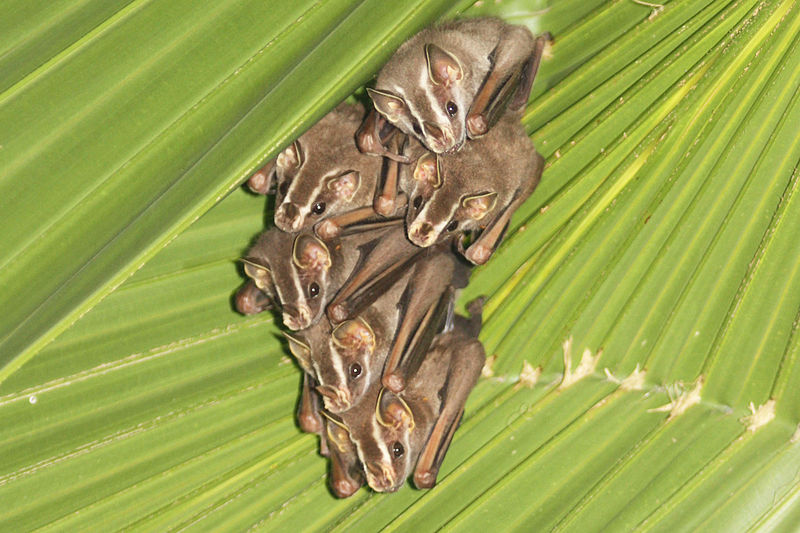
x=379, y=217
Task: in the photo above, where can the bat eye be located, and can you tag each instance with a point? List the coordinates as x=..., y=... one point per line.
x=417, y=129
x=397, y=449
x=313, y=289
x=417, y=202
x=452, y=109
x=318, y=208
x=283, y=188
x=452, y=226
x=355, y=370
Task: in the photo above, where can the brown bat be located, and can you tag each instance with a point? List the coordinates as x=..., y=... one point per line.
x=300, y=273
x=346, y=358
x=322, y=175
x=454, y=81
x=395, y=434
x=475, y=190
x=346, y=472
x=391, y=327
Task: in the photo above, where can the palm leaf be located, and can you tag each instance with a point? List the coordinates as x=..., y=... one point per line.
x=653, y=278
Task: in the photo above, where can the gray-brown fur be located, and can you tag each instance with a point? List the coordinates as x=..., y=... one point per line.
x=501, y=169
x=430, y=86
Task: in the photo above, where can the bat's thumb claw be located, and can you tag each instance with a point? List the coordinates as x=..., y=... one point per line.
x=394, y=382
x=424, y=479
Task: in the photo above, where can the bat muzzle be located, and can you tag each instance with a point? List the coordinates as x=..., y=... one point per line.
x=380, y=477
x=336, y=399
x=421, y=233
x=296, y=318
x=287, y=217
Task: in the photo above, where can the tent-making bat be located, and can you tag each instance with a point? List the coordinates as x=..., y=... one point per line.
x=397, y=434
x=475, y=190
x=454, y=81
x=300, y=273
x=322, y=175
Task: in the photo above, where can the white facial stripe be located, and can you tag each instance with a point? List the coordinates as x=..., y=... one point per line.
x=382, y=445
x=306, y=207
x=338, y=367
x=423, y=215
x=301, y=295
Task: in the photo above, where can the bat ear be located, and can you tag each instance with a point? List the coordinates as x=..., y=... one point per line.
x=346, y=185
x=260, y=274
x=443, y=68
x=310, y=253
x=291, y=158
x=428, y=170
x=301, y=351
x=389, y=105
x=392, y=411
x=479, y=205
x=354, y=335
x=338, y=433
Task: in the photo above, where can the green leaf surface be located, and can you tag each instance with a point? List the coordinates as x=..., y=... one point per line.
x=653, y=276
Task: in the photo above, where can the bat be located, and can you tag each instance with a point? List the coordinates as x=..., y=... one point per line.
x=295, y=271
x=322, y=176
x=475, y=190
x=346, y=358
x=452, y=82
x=346, y=476
x=300, y=273
x=397, y=434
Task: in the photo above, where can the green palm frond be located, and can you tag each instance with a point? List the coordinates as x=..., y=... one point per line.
x=652, y=282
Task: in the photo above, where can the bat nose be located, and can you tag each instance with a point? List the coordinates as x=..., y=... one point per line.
x=287, y=217
x=336, y=399
x=380, y=477
x=296, y=317
x=442, y=137
x=421, y=233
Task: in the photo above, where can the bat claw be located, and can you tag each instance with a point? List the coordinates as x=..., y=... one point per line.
x=394, y=382
x=477, y=126
x=337, y=313
x=478, y=254
x=344, y=488
x=384, y=206
x=309, y=423
x=327, y=230
x=424, y=479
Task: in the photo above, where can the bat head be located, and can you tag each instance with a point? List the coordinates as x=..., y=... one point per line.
x=346, y=373
x=322, y=173
x=445, y=198
x=465, y=191
x=434, y=110
x=296, y=269
x=383, y=432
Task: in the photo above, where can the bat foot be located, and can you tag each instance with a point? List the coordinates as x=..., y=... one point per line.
x=477, y=125
x=478, y=254
x=394, y=382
